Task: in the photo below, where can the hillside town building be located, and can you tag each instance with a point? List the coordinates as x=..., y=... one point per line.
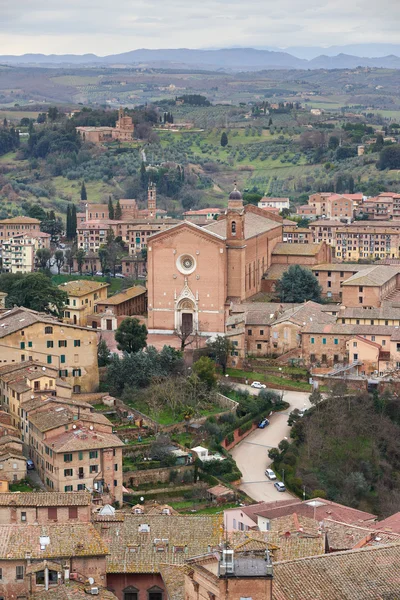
x=27, y=335
x=183, y=292
x=122, y=132
x=83, y=296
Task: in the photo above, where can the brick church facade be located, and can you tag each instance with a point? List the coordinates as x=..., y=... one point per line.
x=194, y=273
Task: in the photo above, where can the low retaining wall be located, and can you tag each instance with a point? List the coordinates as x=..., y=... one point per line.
x=137, y=478
x=237, y=437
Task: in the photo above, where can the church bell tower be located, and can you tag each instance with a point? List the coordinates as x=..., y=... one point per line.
x=236, y=245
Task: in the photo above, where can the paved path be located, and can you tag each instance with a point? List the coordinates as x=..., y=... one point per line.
x=251, y=455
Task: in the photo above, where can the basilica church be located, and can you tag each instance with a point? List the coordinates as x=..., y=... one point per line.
x=194, y=273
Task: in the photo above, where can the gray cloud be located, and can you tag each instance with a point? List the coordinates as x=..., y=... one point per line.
x=79, y=26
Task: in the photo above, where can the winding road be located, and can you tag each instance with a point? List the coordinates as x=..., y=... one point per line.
x=251, y=455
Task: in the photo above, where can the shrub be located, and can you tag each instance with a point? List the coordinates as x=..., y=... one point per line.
x=283, y=445
x=229, y=439
x=245, y=427
x=318, y=494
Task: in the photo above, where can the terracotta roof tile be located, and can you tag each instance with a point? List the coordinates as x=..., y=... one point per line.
x=366, y=574
x=45, y=499
x=81, y=287
x=123, y=296
x=283, y=248
x=77, y=539
x=171, y=539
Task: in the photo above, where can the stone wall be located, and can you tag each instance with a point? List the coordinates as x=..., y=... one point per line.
x=136, y=478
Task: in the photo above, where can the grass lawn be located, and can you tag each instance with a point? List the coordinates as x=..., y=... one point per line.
x=97, y=191
x=189, y=505
x=21, y=486
x=302, y=386
x=115, y=283
x=166, y=416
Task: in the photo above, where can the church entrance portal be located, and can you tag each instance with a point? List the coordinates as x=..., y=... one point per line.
x=187, y=323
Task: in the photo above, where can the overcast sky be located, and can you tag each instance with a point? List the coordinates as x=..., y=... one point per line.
x=108, y=27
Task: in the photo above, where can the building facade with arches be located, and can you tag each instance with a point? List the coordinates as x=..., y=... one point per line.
x=194, y=273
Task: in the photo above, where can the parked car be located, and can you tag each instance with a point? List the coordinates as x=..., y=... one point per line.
x=119, y=276
x=99, y=274
x=280, y=486
x=270, y=474
x=263, y=423
x=141, y=276
x=258, y=385
x=30, y=465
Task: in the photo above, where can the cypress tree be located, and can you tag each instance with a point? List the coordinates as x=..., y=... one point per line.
x=68, y=225
x=118, y=211
x=110, y=209
x=83, y=192
x=143, y=176
x=224, y=139
x=74, y=222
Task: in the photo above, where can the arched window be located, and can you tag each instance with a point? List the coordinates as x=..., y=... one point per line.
x=233, y=228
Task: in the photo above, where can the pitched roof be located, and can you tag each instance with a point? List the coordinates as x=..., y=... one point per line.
x=366, y=574
x=171, y=539
x=20, y=317
x=345, y=267
x=45, y=499
x=381, y=313
x=254, y=224
x=391, y=523
x=82, y=287
x=56, y=415
x=287, y=249
x=375, y=275
x=174, y=580
x=84, y=438
x=72, y=539
x=72, y=591
x=348, y=329
x=123, y=296
x=318, y=508
x=305, y=313
x=16, y=220
x=342, y=536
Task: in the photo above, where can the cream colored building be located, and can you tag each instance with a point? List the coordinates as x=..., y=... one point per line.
x=20, y=382
x=71, y=350
x=16, y=225
x=75, y=450
x=83, y=295
x=18, y=252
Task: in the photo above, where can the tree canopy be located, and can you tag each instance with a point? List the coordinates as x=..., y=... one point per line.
x=131, y=335
x=298, y=284
x=35, y=291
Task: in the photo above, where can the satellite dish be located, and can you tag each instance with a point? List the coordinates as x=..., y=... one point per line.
x=91, y=427
x=91, y=580
x=43, y=368
x=73, y=426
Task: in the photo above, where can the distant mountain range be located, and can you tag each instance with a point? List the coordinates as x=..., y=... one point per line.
x=233, y=59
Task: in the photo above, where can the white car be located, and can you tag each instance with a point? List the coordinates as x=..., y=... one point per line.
x=258, y=385
x=99, y=274
x=270, y=474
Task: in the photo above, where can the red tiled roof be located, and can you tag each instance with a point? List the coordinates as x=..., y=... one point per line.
x=317, y=508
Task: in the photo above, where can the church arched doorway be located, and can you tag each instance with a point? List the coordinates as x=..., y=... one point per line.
x=186, y=317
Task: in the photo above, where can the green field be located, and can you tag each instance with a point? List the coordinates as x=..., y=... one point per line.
x=17, y=115
x=97, y=191
x=115, y=284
